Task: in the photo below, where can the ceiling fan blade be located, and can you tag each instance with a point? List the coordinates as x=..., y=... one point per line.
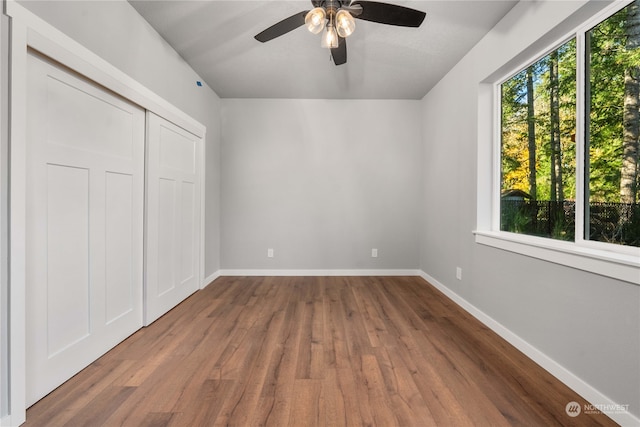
x=391, y=14
x=282, y=27
x=339, y=54
x=353, y=9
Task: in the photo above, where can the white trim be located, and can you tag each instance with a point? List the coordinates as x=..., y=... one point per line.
x=203, y=204
x=4, y=217
x=8, y=421
x=554, y=368
x=337, y=272
x=486, y=126
x=210, y=279
x=17, y=227
x=496, y=157
x=581, y=154
x=605, y=263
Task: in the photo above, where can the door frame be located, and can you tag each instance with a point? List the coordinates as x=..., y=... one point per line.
x=30, y=32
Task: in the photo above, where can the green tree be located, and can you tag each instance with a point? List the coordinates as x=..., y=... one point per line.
x=531, y=134
x=557, y=191
x=631, y=109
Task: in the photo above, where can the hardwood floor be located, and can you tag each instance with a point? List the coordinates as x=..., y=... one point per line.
x=313, y=351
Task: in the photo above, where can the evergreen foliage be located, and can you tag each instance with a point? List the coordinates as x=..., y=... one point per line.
x=539, y=125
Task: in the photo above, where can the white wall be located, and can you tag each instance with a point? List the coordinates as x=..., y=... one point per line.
x=587, y=323
x=115, y=31
x=321, y=182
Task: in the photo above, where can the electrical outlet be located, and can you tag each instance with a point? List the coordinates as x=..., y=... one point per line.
x=374, y=253
x=458, y=273
x=270, y=253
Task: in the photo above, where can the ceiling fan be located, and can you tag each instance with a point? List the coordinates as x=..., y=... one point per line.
x=336, y=19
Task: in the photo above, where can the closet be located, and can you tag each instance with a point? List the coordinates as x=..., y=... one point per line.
x=112, y=221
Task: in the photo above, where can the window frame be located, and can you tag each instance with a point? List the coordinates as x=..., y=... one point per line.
x=607, y=259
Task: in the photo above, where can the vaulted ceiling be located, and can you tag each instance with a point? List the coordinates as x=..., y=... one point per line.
x=384, y=62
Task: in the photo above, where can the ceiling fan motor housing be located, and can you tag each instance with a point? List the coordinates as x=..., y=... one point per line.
x=332, y=6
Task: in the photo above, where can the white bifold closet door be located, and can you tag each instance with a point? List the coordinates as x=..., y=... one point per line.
x=85, y=223
x=173, y=216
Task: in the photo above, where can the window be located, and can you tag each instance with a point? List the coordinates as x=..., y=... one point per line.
x=546, y=135
x=538, y=141
x=569, y=199
x=612, y=117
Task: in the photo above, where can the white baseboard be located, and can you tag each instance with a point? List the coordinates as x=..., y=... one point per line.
x=8, y=421
x=207, y=281
x=602, y=402
x=338, y=272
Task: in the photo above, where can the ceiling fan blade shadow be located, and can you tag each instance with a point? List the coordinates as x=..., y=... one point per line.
x=390, y=14
x=282, y=27
x=339, y=54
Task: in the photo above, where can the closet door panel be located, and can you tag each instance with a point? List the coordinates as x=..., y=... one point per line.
x=188, y=261
x=67, y=264
x=120, y=278
x=80, y=113
x=166, y=232
x=173, y=216
x=84, y=237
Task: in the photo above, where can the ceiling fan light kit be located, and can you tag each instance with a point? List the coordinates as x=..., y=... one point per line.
x=345, y=24
x=336, y=18
x=315, y=20
x=329, y=37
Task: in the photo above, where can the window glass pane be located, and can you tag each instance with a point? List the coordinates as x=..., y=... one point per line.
x=613, y=125
x=538, y=147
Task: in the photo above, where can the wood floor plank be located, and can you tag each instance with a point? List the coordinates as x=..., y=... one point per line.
x=379, y=400
x=63, y=403
x=313, y=351
x=99, y=410
x=204, y=410
x=158, y=419
x=307, y=408
x=277, y=391
x=408, y=403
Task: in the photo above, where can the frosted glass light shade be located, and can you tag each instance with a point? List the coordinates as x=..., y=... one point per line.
x=345, y=24
x=329, y=37
x=315, y=20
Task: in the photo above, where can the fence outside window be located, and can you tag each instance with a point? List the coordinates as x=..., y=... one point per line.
x=608, y=222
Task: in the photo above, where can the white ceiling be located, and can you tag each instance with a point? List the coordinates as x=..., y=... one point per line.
x=384, y=62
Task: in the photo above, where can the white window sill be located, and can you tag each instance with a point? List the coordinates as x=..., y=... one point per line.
x=616, y=265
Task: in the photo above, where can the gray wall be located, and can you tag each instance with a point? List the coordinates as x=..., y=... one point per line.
x=587, y=323
x=142, y=54
x=321, y=182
